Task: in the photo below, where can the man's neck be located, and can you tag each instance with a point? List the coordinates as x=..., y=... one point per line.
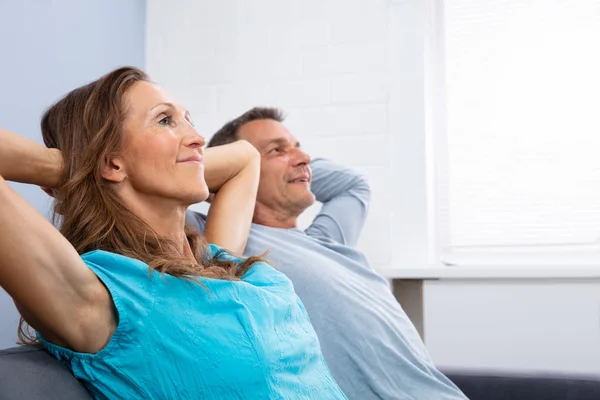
x=274, y=219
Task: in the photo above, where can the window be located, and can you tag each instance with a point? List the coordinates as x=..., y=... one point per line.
x=517, y=91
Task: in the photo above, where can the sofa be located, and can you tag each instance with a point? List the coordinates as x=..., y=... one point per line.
x=31, y=373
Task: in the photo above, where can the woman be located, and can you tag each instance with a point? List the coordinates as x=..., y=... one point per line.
x=135, y=303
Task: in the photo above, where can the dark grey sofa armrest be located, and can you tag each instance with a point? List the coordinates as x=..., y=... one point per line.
x=32, y=373
x=511, y=386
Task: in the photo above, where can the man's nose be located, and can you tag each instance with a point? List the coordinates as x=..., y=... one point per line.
x=301, y=158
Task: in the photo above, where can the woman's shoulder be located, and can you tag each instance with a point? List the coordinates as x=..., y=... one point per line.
x=261, y=273
x=102, y=257
x=111, y=265
x=224, y=255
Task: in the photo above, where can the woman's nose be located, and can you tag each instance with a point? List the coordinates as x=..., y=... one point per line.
x=194, y=139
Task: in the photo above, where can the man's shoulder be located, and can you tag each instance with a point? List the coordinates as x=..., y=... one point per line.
x=196, y=219
x=293, y=242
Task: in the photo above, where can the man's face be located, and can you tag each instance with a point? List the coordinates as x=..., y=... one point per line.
x=285, y=174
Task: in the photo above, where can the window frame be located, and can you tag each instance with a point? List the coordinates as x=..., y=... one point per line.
x=568, y=256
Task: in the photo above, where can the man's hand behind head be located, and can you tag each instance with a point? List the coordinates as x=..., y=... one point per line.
x=49, y=191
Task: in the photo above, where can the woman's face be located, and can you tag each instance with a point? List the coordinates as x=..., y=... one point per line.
x=162, y=152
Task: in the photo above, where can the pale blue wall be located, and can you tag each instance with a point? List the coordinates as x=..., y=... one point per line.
x=48, y=47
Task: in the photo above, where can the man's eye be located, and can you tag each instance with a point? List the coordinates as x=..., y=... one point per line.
x=275, y=150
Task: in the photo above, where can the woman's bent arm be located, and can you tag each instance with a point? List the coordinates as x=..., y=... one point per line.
x=230, y=214
x=23, y=160
x=48, y=280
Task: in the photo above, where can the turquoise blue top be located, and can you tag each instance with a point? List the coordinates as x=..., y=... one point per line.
x=247, y=339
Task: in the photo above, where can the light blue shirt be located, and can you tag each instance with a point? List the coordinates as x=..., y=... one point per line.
x=175, y=339
x=370, y=345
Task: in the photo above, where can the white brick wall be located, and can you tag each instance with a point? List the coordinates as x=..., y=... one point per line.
x=351, y=76
x=323, y=61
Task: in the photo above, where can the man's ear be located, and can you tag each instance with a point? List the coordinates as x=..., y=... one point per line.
x=113, y=169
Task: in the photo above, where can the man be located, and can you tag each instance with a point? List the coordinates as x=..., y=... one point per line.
x=371, y=347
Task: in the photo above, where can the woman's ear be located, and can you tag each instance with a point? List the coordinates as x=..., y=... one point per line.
x=113, y=169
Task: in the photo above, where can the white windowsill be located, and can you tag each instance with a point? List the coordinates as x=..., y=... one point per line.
x=488, y=272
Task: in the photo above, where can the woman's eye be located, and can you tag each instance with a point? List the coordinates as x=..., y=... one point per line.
x=165, y=121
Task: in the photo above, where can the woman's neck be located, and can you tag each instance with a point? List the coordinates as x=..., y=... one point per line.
x=165, y=217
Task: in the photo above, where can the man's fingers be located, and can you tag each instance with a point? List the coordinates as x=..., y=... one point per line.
x=48, y=191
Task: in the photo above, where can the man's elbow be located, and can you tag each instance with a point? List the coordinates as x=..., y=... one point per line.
x=363, y=185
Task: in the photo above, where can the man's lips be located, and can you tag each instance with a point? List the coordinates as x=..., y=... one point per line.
x=304, y=178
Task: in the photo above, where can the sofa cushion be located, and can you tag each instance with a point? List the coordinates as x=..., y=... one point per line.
x=31, y=373
x=502, y=386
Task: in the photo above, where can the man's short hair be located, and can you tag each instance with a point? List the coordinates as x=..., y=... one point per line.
x=229, y=132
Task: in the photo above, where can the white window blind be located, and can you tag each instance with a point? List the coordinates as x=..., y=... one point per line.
x=522, y=107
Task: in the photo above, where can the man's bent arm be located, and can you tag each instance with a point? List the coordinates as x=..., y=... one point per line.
x=345, y=195
x=196, y=220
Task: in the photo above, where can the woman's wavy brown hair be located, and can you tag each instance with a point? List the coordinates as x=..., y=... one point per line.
x=86, y=125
